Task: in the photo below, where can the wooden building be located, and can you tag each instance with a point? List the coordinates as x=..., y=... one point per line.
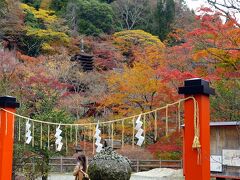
x=225, y=149
x=84, y=60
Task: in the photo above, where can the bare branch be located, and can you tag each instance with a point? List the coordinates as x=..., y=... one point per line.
x=131, y=12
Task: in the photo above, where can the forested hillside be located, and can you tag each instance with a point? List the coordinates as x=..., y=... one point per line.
x=142, y=51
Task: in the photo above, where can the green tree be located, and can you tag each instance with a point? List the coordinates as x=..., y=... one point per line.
x=2, y=8
x=59, y=5
x=107, y=1
x=40, y=101
x=23, y=154
x=225, y=104
x=90, y=17
x=183, y=23
x=165, y=15
x=34, y=3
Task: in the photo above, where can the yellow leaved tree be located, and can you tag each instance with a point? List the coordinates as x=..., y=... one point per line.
x=136, y=86
x=138, y=45
x=44, y=31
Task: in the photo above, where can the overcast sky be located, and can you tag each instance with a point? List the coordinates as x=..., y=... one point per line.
x=194, y=4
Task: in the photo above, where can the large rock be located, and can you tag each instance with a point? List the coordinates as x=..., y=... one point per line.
x=108, y=165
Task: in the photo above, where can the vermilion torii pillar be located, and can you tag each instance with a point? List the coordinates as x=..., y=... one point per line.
x=196, y=161
x=6, y=136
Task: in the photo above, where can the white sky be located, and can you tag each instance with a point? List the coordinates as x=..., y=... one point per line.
x=194, y=4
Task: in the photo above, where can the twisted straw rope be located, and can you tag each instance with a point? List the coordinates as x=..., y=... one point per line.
x=196, y=142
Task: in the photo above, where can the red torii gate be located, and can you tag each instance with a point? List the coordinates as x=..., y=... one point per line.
x=6, y=136
x=194, y=168
x=196, y=162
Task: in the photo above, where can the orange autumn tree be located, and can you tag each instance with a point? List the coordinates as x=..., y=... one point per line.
x=133, y=89
x=217, y=42
x=142, y=82
x=137, y=86
x=211, y=51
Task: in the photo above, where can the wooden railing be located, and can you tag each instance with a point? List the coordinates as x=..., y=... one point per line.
x=66, y=164
x=143, y=165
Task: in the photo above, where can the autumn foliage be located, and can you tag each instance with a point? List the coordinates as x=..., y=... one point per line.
x=134, y=71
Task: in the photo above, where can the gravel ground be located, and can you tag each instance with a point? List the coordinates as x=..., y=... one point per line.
x=158, y=174
x=60, y=177
x=154, y=174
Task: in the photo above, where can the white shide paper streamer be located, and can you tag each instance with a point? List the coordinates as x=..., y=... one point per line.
x=28, y=132
x=138, y=135
x=58, y=141
x=98, y=139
